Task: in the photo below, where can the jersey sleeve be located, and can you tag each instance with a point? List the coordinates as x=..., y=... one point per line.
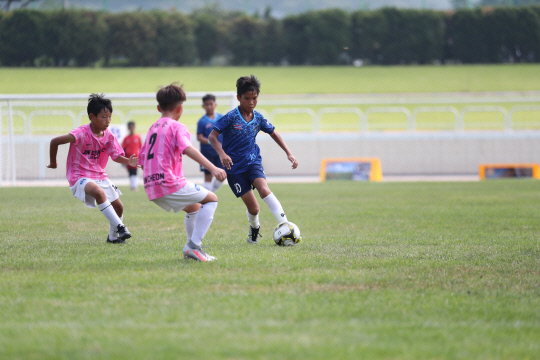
x=183, y=138
x=221, y=124
x=266, y=126
x=200, y=126
x=79, y=135
x=115, y=150
x=142, y=154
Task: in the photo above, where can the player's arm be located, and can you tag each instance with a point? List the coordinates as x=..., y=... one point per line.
x=53, y=150
x=279, y=140
x=225, y=159
x=196, y=155
x=132, y=161
x=202, y=139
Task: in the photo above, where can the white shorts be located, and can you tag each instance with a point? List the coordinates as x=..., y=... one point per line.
x=177, y=201
x=108, y=187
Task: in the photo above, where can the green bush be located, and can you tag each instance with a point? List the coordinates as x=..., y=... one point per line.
x=75, y=37
x=21, y=37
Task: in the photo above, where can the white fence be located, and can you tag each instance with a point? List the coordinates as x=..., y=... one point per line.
x=28, y=122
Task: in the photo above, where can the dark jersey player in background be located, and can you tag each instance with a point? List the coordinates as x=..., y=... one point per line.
x=241, y=157
x=205, y=125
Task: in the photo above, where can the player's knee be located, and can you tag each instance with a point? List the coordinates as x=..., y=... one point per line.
x=99, y=195
x=211, y=197
x=264, y=192
x=192, y=208
x=254, y=209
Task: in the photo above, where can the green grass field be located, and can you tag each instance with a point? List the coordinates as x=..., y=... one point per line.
x=276, y=80
x=385, y=271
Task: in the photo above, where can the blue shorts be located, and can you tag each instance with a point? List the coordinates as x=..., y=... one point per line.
x=243, y=182
x=213, y=157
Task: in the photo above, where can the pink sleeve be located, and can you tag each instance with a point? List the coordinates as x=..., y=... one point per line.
x=79, y=134
x=142, y=154
x=115, y=150
x=183, y=138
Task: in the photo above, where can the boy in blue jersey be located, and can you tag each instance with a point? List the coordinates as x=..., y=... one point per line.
x=241, y=156
x=204, y=128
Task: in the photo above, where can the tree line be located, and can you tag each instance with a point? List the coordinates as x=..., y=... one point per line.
x=327, y=37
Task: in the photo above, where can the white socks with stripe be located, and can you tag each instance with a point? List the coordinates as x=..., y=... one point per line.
x=108, y=210
x=189, y=222
x=253, y=219
x=275, y=207
x=207, y=185
x=202, y=222
x=112, y=231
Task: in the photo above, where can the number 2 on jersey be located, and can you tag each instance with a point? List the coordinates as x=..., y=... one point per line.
x=152, y=141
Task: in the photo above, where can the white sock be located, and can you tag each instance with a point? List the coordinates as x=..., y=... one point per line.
x=216, y=185
x=108, y=211
x=275, y=207
x=253, y=219
x=133, y=181
x=203, y=221
x=189, y=222
x=112, y=231
x=207, y=185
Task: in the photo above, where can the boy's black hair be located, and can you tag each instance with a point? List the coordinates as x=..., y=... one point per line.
x=98, y=102
x=246, y=84
x=168, y=97
x=131, y=122
x=208, y=97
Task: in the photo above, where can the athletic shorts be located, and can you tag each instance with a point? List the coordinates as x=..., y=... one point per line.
x=111, y=191
x=213, y=158
x=177, y=201
x=132, y=171
x=243, y=182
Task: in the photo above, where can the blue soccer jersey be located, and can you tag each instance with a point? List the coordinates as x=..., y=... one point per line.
x=239, y=138
x=205, y=126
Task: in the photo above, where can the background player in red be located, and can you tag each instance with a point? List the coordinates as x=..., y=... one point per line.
x=132, y=144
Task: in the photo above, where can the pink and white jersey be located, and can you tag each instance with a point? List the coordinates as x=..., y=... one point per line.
x=161, y=157
x=88, y=155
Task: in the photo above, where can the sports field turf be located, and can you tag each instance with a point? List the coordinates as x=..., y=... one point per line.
x=276, y=80
x=386, y=270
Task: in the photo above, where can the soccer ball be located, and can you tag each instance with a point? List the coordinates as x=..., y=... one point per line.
x=287, y=234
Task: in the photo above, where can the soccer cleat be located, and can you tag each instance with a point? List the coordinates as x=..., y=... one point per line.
x=253, y=235
x=197, y=254
x=115, y=241
x=123, y=232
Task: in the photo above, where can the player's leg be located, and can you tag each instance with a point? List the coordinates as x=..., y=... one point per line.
x=204, y=218
x=207, y=180
x=270, y=199
x=189, y=221
x=216, y=184
x=104, y=205
x=252, y=213
x=199, y=217
x=108, y=199
x=133, y=179
x=241, y=186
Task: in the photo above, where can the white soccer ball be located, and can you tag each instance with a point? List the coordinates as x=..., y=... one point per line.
x=287, y=234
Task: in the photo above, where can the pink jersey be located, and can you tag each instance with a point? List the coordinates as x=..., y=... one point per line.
x=161, y=157
x=88, y=155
